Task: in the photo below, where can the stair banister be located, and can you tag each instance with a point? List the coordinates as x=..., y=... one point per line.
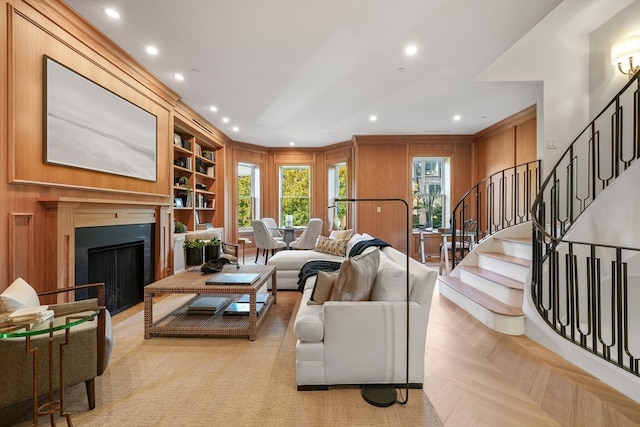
x=582, y=289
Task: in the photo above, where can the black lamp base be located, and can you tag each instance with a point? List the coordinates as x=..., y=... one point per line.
x=380, y=396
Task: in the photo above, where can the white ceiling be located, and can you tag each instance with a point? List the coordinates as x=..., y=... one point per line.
x=313, y=71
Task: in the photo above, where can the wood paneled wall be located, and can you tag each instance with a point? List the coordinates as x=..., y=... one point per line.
x=507, y=143
x=37, y=240
x=380, y=167
x=383, y=170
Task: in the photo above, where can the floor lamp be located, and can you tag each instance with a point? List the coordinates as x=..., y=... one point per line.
x=386, y=395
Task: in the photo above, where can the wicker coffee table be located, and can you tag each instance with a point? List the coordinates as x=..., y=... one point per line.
x=179, y=322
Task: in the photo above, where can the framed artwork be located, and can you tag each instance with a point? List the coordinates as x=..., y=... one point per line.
x=178, y=202
x=89, y=127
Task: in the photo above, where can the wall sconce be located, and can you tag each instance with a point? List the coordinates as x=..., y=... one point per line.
x=625, y=55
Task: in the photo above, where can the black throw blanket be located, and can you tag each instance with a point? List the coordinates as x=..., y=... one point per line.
x=359, y=247
x=311, y=268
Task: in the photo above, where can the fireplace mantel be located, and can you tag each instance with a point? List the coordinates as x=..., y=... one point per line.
x=64, y=214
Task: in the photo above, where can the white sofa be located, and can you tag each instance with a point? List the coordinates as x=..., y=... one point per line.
x=364, y=342
x=289, y=263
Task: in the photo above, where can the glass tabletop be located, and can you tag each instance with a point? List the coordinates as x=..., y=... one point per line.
x=56, y=323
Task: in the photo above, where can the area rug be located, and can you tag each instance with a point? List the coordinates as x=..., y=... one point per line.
x=178, y=381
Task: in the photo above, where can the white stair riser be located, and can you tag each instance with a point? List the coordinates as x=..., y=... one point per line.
x=514, y=271
x=516, y=249
x=501, y=293
x=504, y=324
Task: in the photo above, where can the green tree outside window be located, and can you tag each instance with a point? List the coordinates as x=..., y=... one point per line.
x=295, y=190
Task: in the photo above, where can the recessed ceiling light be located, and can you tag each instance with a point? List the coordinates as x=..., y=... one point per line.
x=235, y=129
x=152, y=50
x=178, y=76
x=457, y=117
x=213, y=109
x=292, y=143
x=225, y=119
x=372, y=118
x=411, y=49
x=112, y=13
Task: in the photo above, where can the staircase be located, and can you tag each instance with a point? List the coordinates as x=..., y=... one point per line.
x=489, y=282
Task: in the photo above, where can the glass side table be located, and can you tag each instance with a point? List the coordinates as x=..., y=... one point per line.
x=49, y=326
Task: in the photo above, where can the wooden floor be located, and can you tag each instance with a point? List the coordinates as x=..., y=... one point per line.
x=478, y=377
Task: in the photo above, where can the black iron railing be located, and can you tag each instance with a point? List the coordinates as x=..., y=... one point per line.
x=589, y=292
x=500, y=201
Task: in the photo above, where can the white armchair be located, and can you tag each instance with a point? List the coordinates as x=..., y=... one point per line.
x=264, y=240
x=272, y=227
x=307, y=239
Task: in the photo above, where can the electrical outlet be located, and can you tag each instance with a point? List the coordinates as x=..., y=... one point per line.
x=378, y=209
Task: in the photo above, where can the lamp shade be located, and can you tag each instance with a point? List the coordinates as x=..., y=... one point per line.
x=624, y=49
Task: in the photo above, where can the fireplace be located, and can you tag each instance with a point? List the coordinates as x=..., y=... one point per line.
x=121, y=256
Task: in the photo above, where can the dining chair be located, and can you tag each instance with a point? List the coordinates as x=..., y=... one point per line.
x=309, y=236
x=466, y=240
x=264, y=240
x=272, y=226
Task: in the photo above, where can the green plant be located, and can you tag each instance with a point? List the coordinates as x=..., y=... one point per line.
x=180, y=227
x=193, y=244
x=216, y=241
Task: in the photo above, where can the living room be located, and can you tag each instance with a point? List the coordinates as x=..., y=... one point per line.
x=45, y=202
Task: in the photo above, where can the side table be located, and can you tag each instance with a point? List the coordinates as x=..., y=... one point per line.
x=50, y=326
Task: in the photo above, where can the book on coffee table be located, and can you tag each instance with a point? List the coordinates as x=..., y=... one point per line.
x=233, y=279
x=242, y=309
x=208, y=305
x=260, y=298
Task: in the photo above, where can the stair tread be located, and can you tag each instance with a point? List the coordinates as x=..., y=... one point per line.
x=500, y=279
x=523, y=240
x=481, y=298
x=512, y=259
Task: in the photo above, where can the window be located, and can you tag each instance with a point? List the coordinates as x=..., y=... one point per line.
x=248, y=195
x=295, y=192
x=337, y=188
x=431, y=189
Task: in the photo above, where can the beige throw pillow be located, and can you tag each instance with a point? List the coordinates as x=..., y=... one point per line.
x=341, y=234
x=355, y=277
x=18, y=295
x=332, y=246
x=323, y=287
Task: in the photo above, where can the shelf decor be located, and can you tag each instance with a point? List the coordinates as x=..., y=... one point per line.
x=89, y=127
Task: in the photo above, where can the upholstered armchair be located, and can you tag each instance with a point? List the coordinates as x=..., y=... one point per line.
x=272, y=227
x=264, y=240
x=86, y=354
x=307, y=239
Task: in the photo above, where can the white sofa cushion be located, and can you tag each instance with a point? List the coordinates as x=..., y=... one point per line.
x=294, y=260
x=309, y=323
x=355, y=239
x=390, y=282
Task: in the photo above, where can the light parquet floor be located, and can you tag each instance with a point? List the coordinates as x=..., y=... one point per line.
x=475, y=376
